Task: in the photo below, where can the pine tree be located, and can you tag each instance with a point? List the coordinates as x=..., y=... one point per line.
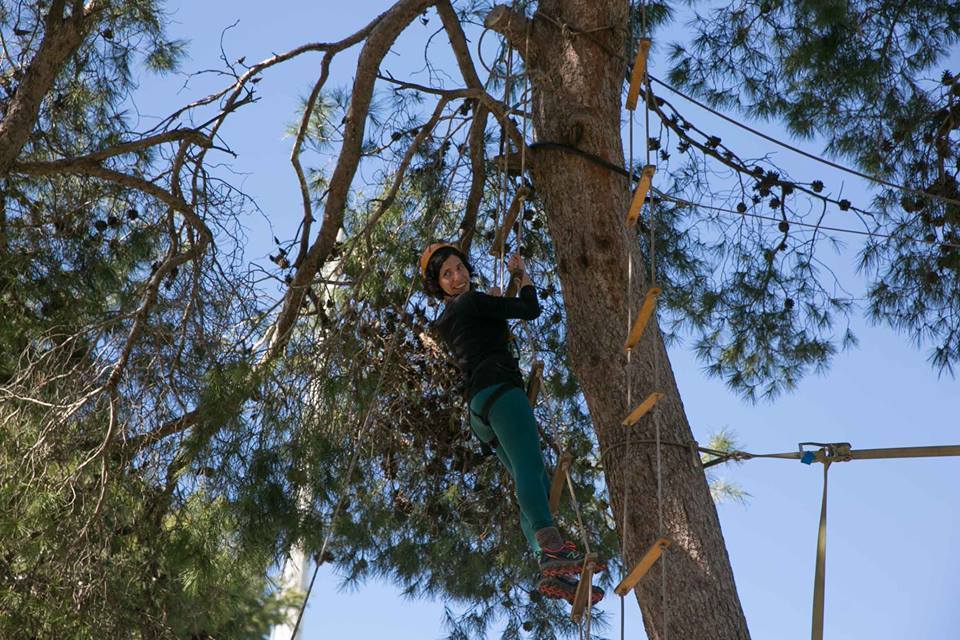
x=175, y=418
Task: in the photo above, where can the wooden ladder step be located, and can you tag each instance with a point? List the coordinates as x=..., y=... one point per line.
x=640, y=324
x=638, y=75
x=640, y=195
x=584, y=589
x=559, y=479
x=509, y=220
x=642, y=410
x=651, y=556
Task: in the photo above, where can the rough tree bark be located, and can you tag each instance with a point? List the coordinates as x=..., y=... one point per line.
x=576, y=101
x=61, y=38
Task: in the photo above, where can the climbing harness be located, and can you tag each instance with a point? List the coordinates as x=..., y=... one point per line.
x=495, y=395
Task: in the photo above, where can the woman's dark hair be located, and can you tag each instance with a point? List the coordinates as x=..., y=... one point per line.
x=431, y=282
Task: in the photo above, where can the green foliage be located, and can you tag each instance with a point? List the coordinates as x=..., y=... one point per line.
x=864, y=77
x=135, y=561
x=722, y=490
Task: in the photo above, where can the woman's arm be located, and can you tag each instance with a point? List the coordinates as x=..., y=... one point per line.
x=525, y=307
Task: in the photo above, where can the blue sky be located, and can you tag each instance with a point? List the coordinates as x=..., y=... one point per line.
x=892, y=566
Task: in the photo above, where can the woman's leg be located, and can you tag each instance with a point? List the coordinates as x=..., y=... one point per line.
x=515, y=427
x=486, y=434
x=513, y=422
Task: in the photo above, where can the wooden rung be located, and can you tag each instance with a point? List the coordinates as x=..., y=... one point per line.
x=642, y=410
x=639, y=72
x=533, y=384
x=646, y=310
x=640, y=195
x=509, y=220
x=628, y=583
x=584, y=588
x=559, y=479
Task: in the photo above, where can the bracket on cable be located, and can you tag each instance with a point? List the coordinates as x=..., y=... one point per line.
x=640, y=195
x=646, y=310
x=827, y=452
x=559, y=476
x=639, y=74
x=651, y=556
x=509, y=220
x=643, y=409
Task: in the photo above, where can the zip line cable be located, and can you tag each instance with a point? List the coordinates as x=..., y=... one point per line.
x=636, y=178
x=870, y=234
x=807, y=154
x=893, y=185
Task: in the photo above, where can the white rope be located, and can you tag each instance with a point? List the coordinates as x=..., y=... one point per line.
x=358, y=440
x=629, y=393
x=665, y=621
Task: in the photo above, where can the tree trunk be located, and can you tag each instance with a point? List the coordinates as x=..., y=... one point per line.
x=577, y=101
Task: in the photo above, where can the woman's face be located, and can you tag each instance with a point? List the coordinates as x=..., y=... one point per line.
x=454, y=277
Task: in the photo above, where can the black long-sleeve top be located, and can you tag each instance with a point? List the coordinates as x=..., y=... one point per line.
x=474, y=327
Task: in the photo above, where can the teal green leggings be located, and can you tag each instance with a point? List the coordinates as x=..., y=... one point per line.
x=513, y=424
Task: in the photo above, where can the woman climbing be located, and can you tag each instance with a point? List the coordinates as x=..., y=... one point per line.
x=474, y=327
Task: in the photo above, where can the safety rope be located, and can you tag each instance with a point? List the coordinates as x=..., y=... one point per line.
x=503, y=203
x=624, y=529
x=652, y=286
x=584, y=623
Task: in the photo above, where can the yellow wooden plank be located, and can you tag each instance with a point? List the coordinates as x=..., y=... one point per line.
x=533, y=385
x=646, y=310
x=556, y=487
x=655, y=551
x=637, y=77
x=640, y=195
x=584, y=589
x=508, y=221
x=642, y=410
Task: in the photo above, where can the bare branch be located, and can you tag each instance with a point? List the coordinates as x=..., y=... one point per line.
x=425, y=131
x=94, y=170
x=478, y=173
x=172, y=427
x=388, y=26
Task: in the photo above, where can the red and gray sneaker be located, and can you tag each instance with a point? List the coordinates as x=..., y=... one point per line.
x=565, y=560
x=565, y=588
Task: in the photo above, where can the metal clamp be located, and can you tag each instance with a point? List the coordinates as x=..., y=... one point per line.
x=826, y=452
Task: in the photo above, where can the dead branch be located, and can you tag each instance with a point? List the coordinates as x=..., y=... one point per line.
x=381, y=37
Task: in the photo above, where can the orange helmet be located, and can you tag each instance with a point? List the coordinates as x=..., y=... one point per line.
x=428, y=253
